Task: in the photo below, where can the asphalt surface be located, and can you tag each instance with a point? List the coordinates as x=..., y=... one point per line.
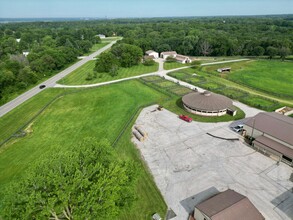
x=4, y=109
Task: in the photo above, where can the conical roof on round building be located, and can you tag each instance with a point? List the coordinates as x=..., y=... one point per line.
x=206, y=101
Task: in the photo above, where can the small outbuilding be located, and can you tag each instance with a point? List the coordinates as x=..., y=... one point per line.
x=182, y=59
x=152, y=53
x=227, y=205
x=222, y=70
x=207, y=104
x=285, y=110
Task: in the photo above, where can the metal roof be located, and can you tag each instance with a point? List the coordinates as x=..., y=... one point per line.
x=274, y=124
x=229, y=205
x=268, y=142
x=207, y=101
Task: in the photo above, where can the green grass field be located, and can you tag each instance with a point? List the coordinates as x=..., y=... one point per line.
x=78, y=77
x=96, y=47
x=214, y=83
x=24, y=112
x=173, y=65
x=100, y=113
x=272, y=77
x=175, y=105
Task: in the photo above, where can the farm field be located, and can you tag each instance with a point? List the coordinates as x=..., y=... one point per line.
x=78, y=77
x=99, y=113
x=208, y=78
x=272, y=77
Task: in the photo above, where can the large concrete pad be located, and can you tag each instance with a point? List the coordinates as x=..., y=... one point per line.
x=189, y=165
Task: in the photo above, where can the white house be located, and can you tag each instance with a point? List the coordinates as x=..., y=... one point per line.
x=166, y=54
x=25, y=53
x=179, y=58
x=18, y=40
x=102, y=36
x=152, y=53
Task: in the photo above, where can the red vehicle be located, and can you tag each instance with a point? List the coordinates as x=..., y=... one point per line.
x=185, y=118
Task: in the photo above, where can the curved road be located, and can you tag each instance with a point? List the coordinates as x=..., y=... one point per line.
x=50, y=82
x=249, y=111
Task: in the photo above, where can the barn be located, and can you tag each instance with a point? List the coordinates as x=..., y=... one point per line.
x=272, y=135
x=207, y=104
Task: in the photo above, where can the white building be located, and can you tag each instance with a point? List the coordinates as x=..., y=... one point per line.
x=102, y=36
x=25, y=53
x=152, y=53
x=182, y=59
x=166, y=54
x=179, y=58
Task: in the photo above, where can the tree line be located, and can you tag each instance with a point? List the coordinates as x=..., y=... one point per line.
x=47, y=51
x=54, y=45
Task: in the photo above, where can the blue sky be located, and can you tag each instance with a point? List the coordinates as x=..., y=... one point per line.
x=140, y=8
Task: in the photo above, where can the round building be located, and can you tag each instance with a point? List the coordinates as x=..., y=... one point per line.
x=208, y=104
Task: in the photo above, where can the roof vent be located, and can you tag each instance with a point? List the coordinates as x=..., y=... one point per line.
x=206, y=93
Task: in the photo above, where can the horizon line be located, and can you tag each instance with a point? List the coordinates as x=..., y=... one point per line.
x=106, y=17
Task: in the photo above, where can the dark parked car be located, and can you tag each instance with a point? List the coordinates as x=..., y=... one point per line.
x=42, y=86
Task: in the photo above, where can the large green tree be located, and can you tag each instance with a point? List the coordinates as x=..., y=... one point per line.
x=106, y=62
x=128, y=55
x=88, y=182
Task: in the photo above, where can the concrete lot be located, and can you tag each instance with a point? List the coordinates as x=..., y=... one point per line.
x=188, y=165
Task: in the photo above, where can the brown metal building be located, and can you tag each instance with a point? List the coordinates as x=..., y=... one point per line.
x=273, y=135
x=207, y=103
x=227, y=205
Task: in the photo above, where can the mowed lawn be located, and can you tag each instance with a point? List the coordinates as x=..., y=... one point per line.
x=96, y=47
x=100, y=112
x=78, y=77
x=16, y=118
x=173, y=65
x=273, y=77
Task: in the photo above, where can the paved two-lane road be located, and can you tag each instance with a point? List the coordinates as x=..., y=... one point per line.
x=50, y=82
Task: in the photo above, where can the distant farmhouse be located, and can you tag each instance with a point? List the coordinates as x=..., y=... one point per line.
x=227, y=205
x=273, y=135
x=152, y=54
x=179, y=58
x=102, y=36
x=167, y=54
x=25, y=53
